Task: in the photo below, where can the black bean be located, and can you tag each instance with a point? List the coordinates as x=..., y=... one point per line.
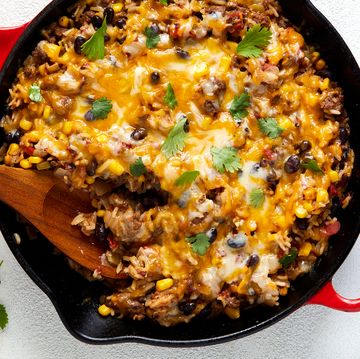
x=292, y=164
x=121, y=40
x=304, y=146
x=253, y=260
x=256, y=167
x=263, y=162
x=96, y=21
x=139, y=134
x=155, y=28
x=183, y=54
x=187, y=307
x=13, y=137
x=237, y=241
x=91, y=168
x=302, y=223
x=187, y=126
x=155, y=77
x=343, y=134
x=121, y=23
x=79, y=41
x=109, y=13
x=205, y=313
x=101, y=232
x=272, y=177
x=107, y=37
x=212, y=234
x=335, y=205
x=89, y=116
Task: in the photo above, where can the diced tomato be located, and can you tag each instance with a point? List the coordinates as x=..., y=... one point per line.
x=332, y=228
x=269, y=155
x=333, y=191
x=29, y=150
x=112, y=243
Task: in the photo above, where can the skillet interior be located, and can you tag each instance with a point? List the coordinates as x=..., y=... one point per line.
x=67, y=290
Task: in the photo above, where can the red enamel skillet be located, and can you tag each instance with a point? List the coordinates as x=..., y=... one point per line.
x=67, y=289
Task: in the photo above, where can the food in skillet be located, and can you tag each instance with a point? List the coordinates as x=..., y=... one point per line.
x=211, y=140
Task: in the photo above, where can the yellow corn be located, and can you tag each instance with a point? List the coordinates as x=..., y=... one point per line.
x=224, y=64
x=334, y=176
x=117, y=7
x=324, y=84
x=64, y=21
x=201, y=70
x=251, y=225
x=67, y=127
x=104, y=310
x=305, y=249
x=25, y=124
x=233, y=313
x=285, y=123
x=312, y=99
x=280, y=221
x=34, y=136
x=164, y=284
x=46, y=113
x=35, y=159
x=25, y=164
x=90, y=180
x=100, y=213
x=308, y=206
x=205, y=123
x=309, y=193
x=102, y=138
x=322, y=196
x=116, y=168
x=52, y=51
x=301, y=212
x=13, y=149
x=320, y=64
x=43, y=166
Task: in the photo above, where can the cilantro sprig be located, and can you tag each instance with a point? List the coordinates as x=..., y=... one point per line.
x=152, y=37
x=254, y=41
x=3, y=314
x=289, y=258
x=257, y=197
x=187, y=178
x=239, y=106
x=164, y=2
x=270, y=127
x=94, y=48
x=312, y=165
x=99, y=110
x=35, y=93
x=225, y=159
x=175, y=140
x=169, y=98
x=199, y=243
x=138, y=168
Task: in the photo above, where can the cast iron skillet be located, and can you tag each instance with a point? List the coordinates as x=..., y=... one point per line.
x=76, y=299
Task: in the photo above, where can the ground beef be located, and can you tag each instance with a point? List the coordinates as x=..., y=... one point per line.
x=332, y=101
x=235, y=21
x=39, y=56
x=211, y=107
x=213, y=87
x=261, y=19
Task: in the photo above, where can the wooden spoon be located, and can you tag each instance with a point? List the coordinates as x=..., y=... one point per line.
x=47, y=203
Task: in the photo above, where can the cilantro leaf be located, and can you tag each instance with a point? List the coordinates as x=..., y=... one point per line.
x=225, y=159
x=254, y=41
x=270, y=127
x=138, y=168
x=1, y=262
x=312, y=166
x=289, y=258
x=257, y=197
x=175, y=140
x=164, y=2
x=199, y=243
x=187, y=178
x=152, y=37
x=239, y=105
x=3, y=317
x=94, y=48
x=169, y=98
x=99, y=109
x=34, y=93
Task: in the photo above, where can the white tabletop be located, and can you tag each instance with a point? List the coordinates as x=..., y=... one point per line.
x=36, y=332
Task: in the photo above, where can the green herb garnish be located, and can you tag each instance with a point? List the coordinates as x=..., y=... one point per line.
x=152, y=37
x=137, y=168
x=225, y=159
x=101, y=108
x=164, y=2
x=187, y=178
x=200, y=243
x=270, y=127
x=289, y=258
x=257, y=197
x=254, y=41
x=239, y=106
x=94, y=48
x=3, y=317
x=312, y=166
x=175, y=140
x=34, y=93
x=169, y=98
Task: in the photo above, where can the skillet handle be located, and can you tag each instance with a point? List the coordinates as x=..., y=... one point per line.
x=328, y=297
x=8, y=38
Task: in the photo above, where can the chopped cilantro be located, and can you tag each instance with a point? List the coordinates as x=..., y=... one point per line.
x=34, y=93
x=225, y=159
x=169, y=98
x=152, y=37
x=187, y=178
x=100, y=109
x=199, y=243
x=270, y=127
x=94, y=48
x=312, y=166
x=257, y=197
x=164, y=2
x=239, y=106
x=175, y=140
x=137, y=168
x=3, y=317
x=289, y=258
x=254, y=41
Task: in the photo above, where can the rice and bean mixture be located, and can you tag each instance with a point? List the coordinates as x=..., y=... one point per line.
x=211, y=140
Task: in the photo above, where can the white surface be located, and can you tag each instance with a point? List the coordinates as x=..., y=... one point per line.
x=35, y=330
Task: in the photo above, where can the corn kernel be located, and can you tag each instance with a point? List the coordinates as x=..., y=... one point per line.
x=25, y=164
x=43, y=166
x=322, y=196
x=164, y=284
x=315, y=55
x=285, y=123
x=320, y=64
x=305, y=249
x=117, y=7
x=280, y=221
x=205, y=123
x=309, y=193
x=67, y=127
x=64, y=21
x=225, y=62
x=35, y=159
x=52, y=51
x=46, y=113
x=301, y=212
x=104, y=310
x=308, y=206
x=201, y=70
x=13, y=149
x=116, y=168
x=324, y=84
x=34, y=136
x=252, y=225
x=90, y=180
x=312, y=99
x=25, y=124
x=102, y=138
x=233, y=313
x=100, y=213
x=334, y=176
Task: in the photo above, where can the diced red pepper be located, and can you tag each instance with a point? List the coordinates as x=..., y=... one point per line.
x=269, y=155
x=29, y=150
x=112, y=243
x=332, y=228
x=333, y=191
